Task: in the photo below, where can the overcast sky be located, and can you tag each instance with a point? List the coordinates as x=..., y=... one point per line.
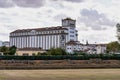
x=96, y=19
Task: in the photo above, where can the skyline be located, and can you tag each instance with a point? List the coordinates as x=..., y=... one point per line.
x=96, y=20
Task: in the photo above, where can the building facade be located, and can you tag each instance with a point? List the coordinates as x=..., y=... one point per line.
x=29, y=51
x=74, y=46
x=0, y=43
x=45, y=38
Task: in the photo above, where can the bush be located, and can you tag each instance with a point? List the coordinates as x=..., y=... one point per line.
x=62, y=57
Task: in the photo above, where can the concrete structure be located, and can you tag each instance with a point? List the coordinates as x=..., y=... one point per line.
x=45, y=38
x=95, y=48
x=29, y=51
x=118, y=32
x=65, y=36
x=101, y=48
x=0, y=43
x=73, y=46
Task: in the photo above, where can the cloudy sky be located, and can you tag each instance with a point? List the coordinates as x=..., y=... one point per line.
x=96, y=19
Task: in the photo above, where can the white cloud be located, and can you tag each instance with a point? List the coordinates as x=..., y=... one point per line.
x=100, y=15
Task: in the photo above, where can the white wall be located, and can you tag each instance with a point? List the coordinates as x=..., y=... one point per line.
x=101, y=49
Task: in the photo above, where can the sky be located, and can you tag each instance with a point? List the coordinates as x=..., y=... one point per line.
x=95, y=19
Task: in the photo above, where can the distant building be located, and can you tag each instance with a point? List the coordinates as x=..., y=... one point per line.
x=0, y=43
x=29, y=51
x=76, y=46
x=65, y=36
x=95, y=48
x=73, y=46
x=6, y=43
x=45, y=38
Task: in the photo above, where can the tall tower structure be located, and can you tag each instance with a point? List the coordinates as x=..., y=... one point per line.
x=70, y=24
x=118, y=32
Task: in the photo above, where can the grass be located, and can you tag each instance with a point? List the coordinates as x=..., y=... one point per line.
x=61, y=74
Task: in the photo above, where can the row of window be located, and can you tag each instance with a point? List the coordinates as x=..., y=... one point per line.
x=27, y=54
x=30, y=33
x=74, y=48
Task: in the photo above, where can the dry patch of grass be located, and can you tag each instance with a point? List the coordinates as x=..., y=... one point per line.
x=61, y=74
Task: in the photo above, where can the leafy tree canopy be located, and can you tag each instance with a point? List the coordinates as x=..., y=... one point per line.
x=56, y=51
x=8, y=51
x=113, y=47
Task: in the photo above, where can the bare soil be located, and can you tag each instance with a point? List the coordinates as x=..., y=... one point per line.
x=61, y=74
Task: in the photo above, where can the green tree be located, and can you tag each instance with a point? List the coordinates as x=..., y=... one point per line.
x=12, y=50
x=56, y=51
x=113, y=47
x=51, y=51
x=38, y=53
x=60, y=51
x=4, y=49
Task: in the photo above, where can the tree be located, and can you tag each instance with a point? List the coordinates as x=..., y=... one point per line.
x=113, y=47
x=4, y=49
x=56, y=51
x=60, y=51
x=51, y=51
x=12, y=50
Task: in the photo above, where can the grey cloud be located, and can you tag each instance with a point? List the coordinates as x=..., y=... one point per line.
x=29, y=3
x=21, y=3
x=74, y=0
x=70, y=0
x=6, y=3
x=95, y=20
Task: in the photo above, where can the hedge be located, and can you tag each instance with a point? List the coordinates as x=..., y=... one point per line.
x=60, y=57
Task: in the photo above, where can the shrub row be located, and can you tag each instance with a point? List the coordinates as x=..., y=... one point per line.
x=44, y=57
x=59, y=57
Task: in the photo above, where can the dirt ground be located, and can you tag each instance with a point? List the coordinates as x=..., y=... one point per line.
x=61, y=74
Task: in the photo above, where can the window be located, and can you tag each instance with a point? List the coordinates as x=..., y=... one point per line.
x=72, y=28
x=25, y=54
x=62, y=31
x=71, y=31
x=71, y=35
x=72, y=25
